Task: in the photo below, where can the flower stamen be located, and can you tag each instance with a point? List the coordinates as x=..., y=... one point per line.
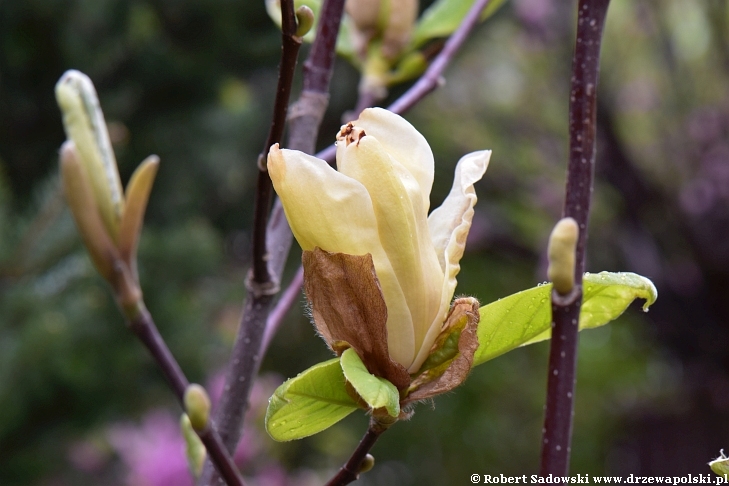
x=350, y=134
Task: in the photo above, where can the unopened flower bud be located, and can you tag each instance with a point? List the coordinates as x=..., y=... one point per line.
x=85, y=126
x=197, y=406
x=390, y=21
x=194, y=448
x=80, y=198
x=367, y=463
x=304, y=20
x=561, y=255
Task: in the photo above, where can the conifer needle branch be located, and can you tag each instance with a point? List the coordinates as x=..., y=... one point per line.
x=559, y=410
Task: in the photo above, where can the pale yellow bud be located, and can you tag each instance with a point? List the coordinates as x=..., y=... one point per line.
x=137, y=195
x=197, y=406
x=367, y=463
x=85, y=126
x=400, y=25
x=561, y=255
x=389, y=21
x=80, y=199
x=194, y=448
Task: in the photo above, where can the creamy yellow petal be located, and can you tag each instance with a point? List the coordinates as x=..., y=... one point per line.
x=449, y=226
x=404, y=143
x=327, y=209
x=402, y=226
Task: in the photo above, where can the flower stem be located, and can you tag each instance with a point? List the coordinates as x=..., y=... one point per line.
x=557, y=431
x=350, y=471
x=275, y=318
x=144, y=328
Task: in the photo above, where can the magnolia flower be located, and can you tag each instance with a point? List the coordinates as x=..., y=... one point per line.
x=377, y=204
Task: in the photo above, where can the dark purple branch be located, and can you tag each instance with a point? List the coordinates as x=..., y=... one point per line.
x=305, y=118
x=557, y=432
x=144, y=328
x=261, y=279
x=350, y=471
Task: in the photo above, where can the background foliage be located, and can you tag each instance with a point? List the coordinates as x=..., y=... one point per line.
x=192, y=81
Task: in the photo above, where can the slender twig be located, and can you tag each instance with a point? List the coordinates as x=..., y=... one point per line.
x=275, y=318
x=261, y=277
x=246, y=354
x=305, y=117
x=351, y=469
x=144, y=328
x=557, y=432
x=432, y=77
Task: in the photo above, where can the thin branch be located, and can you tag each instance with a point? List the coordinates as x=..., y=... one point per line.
x=144, y=328
x=557, y=432
x=246, y=355
x=262, y=281
x=287, y=300
x=351, y=470
x=432, y=77
x=305, y=118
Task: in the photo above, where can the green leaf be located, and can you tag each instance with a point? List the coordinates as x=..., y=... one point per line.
x=376, y=391
x=313, y=401
x=720, y=465
x=444, y=16
x=525, y=317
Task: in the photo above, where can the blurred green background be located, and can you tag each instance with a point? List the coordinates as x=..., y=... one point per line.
x=193, y=81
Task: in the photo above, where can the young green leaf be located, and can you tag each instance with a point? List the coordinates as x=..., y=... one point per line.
x=376, y=391
x=313, y=401
x=525, y=317
x=720, y=465
x=444, y=16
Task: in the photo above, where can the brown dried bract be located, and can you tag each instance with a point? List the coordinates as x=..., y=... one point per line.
x=464, y=314
x=348, y=308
